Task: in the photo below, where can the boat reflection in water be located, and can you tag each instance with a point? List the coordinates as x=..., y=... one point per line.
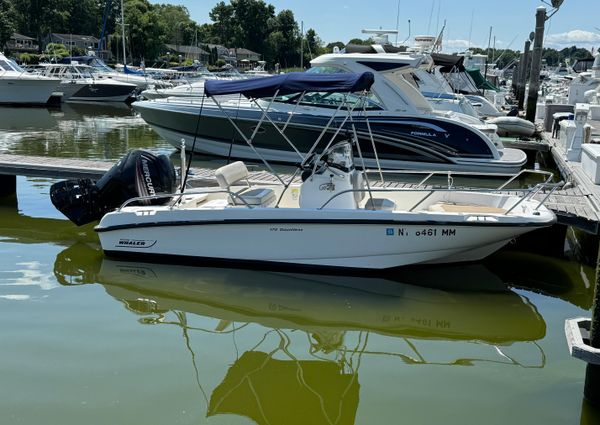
x=271, y=382
x=91, y=130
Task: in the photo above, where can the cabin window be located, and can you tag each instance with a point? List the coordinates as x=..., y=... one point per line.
x=5, y=66
x=334, y=100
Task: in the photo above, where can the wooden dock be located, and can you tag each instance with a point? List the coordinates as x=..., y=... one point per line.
x=577, y=205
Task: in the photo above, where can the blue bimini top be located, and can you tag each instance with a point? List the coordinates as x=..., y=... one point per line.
x=294, y=82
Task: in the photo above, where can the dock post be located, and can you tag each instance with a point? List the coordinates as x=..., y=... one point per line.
x=8, y=185
x=523, y=76
x=536, y=63
x=591, y=390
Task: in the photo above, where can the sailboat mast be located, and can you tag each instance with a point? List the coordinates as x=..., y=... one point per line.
x=123, y=32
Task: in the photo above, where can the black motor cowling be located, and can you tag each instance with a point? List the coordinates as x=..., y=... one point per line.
x=137, y=174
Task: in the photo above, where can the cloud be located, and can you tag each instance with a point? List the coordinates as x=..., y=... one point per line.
x=457, y=44
x=579, y=38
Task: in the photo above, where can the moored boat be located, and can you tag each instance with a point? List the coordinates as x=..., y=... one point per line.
x=334, y=217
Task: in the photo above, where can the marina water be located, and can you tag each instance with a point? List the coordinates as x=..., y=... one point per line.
x=87, y=339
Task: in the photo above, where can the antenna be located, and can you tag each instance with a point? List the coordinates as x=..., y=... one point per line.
x=397, y=22
x=408, y=36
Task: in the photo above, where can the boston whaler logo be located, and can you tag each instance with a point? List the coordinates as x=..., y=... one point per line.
x=135, y=243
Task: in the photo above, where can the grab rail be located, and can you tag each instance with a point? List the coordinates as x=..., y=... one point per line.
x=430, y=173
x=529, y=193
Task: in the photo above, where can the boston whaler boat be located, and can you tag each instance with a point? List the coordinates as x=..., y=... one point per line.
x=334, y=217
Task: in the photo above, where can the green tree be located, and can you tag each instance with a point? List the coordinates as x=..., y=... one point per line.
x=56, y=50
x=330, y=46
x=223, y=17
x=7, y=21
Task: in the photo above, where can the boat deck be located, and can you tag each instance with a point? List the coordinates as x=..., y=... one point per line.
x=578, y=205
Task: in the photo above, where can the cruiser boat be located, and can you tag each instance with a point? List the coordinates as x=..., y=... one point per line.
x=80, y=83
x=19, y=87
x=407, y=132
x=332, y=217
x=101, y=69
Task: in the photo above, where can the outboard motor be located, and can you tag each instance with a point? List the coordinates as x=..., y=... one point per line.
x=137, y=174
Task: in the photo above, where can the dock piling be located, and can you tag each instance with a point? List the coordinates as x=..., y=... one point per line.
x=523, y=71
x=591, y=390
x=536, y=63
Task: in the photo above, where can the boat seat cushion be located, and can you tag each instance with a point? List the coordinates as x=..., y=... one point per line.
x=255, y=197
x=231, y=173
x=192, y=201
x=465, y=208
x=380, y=204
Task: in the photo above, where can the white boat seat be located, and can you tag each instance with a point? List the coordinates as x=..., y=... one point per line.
x=380, y=204
x=229, y=174
x=255, y=197
x=232, y=173
x=465, y=208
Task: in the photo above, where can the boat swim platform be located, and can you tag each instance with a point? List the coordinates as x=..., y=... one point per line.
x=577, y=206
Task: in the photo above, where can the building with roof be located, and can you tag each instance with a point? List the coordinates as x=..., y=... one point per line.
x=188, y=52
x=19, y=43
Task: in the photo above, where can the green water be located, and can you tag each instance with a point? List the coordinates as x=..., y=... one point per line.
x=90, y=340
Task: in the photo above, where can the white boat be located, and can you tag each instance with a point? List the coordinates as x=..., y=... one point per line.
x=334, y=217
x=80, y=83
x=407, y=131
x=21, y=88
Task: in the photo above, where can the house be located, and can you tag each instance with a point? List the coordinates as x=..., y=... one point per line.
x=188, y=52
x=84, y=42
x=246, y=55
x=246, y=58
x=19, y=43
x=223, y=53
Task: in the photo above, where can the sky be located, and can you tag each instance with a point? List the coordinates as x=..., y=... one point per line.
x=468, y=22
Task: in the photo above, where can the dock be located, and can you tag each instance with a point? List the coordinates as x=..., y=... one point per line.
x=576, y=205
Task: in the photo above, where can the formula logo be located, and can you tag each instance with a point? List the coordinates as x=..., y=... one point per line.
x=135, y=243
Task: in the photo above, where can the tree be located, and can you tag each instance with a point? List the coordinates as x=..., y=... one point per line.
x=313, y=46
x=223, y=27
x=56, y=50
x=7, y=21
x=362, y=42
x=330, y=46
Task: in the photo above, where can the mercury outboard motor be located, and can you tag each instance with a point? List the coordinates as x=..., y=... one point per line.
x=137, y=174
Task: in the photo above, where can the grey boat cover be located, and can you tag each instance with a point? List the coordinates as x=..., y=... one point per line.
x=294, y=82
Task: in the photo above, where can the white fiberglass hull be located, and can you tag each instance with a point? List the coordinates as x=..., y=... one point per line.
x=329, y=238
x=27, y=90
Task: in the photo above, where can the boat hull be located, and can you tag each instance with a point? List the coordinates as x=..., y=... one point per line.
x=334, y=240
x=401, y=142
x=27, y=91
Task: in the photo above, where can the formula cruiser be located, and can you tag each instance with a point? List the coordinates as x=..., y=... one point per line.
x=406, y=130
x=328, y=214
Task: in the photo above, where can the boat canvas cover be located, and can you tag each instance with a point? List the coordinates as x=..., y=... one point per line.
x=295, y=82
x=448, y=63
x=480, y=81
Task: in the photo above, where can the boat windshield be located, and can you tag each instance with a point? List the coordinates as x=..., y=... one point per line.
x=333, y=100
x=10, y=65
